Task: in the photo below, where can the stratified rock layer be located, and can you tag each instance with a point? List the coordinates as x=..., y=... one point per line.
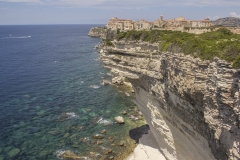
x=101, y=32
x=191, y=106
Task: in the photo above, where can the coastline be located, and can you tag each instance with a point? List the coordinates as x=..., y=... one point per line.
x=146, y=145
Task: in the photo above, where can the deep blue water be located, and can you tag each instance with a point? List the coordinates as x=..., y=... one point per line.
x=51, y=92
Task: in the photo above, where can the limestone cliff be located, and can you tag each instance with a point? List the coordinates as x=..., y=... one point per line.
x=191, y=106
x=101, y=32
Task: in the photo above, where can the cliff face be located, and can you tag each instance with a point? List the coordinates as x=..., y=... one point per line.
x=101, y=32
x=191, y=106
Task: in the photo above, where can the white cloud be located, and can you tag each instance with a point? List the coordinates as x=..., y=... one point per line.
x=213, y=18
x=233, y=14
x=130, y=3
x=25, y=1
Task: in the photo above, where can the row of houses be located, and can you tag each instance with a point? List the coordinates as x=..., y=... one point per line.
x=127, y=24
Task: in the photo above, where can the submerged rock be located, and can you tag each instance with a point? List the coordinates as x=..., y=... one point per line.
x=119, y=119
x=99, y=142
x=111, y=157
x=124, y=112
x=103, y=157
x=98, y=136
x=70, y=155
x=85, y=139
x=66, y=135
x=95, y=155
x=53, y=132
x=13, y=152
x=121, y=144
x=67, y=116
x=111, y=139
x=106, y=150
x=104, y=131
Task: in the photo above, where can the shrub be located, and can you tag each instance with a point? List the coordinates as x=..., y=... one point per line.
x=109, y=43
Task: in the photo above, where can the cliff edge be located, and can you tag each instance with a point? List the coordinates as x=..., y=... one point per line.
x=191, y=105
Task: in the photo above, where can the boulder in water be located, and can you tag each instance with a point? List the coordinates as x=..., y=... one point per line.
x=104, y=131
x=119, y=119
x=124, y=112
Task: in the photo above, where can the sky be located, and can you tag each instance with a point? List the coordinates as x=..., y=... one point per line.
x=20, y=12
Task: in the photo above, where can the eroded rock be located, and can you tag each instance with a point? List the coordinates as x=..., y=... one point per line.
x=191, y=106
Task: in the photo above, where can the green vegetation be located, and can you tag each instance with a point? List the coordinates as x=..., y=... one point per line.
x=109, y=43
x=118, y=31
x=221, y=43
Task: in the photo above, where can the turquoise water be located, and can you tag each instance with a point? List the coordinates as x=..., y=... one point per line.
x=51, y=94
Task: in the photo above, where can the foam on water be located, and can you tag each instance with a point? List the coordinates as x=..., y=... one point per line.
x=94, y=86
x=59, y=153
x=109, y=74
x=17, y=37
x=96, y=59
x=104, y=121
x=127, y=94
x=71, y=115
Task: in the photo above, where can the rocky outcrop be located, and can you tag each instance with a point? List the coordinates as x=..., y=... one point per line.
x=101, y=32
x=191, y=106
x=228, y=21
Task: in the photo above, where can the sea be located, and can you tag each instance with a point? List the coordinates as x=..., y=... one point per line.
x=52, y=98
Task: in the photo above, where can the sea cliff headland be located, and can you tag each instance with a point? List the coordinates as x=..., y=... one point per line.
x=191, y=102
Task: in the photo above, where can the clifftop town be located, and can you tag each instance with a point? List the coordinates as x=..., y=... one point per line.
x=175, y=24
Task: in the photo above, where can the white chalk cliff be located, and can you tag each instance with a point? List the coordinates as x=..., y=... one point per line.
x=191, y=106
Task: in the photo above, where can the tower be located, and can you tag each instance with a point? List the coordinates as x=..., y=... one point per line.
x=161, y=17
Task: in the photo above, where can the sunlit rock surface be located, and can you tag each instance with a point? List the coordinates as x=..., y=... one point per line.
x=191, y=106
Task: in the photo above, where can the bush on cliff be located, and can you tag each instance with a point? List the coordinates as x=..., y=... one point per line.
x=109, y=43
x=221, y=43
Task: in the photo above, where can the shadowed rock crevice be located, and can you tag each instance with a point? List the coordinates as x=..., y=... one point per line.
x=137, y=133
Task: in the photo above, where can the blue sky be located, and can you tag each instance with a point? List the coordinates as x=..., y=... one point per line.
x=100, y=11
